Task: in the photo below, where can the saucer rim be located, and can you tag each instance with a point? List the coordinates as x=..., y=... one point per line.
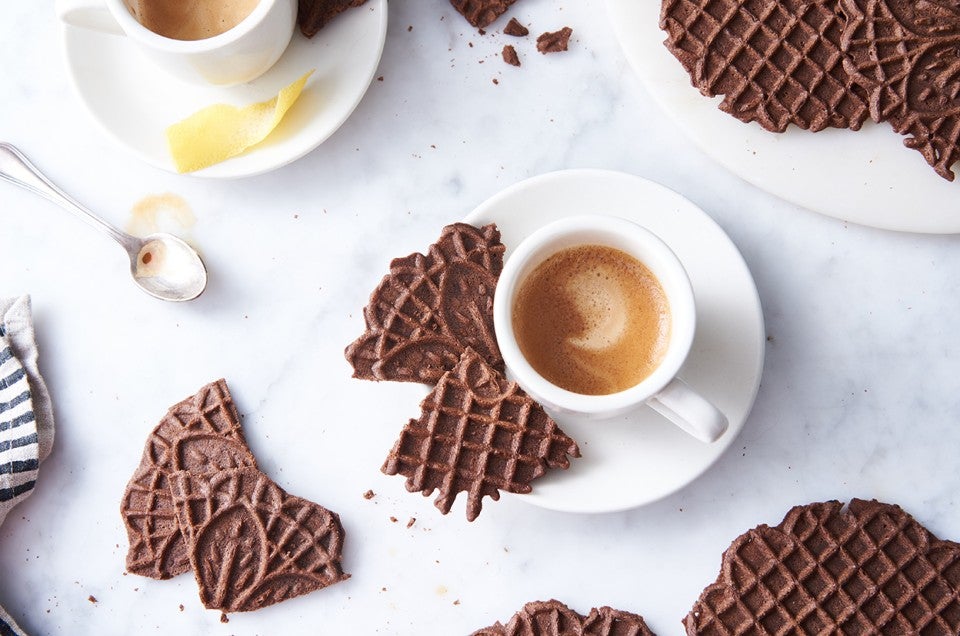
x=227, y=169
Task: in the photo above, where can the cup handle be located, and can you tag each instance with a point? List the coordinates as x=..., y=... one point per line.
x=690, y=411
x=87, y=14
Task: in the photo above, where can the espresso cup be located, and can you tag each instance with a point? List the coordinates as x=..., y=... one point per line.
x=661, y=390
x=235, y=56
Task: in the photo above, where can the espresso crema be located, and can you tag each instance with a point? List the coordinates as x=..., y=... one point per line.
x=190, y=19
x=592, y=319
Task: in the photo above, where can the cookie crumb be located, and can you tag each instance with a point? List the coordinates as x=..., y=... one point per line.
x=393, y=519
x=554, y=41
x=92, y=598
x=181, y=607
x=510, y=55
x=369, y=494
x=496, y=81
x=412, y=521
x=223, y=618
x=516, y=29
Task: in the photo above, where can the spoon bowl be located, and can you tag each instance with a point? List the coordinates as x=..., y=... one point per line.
x=162, y=265
x=167, y=268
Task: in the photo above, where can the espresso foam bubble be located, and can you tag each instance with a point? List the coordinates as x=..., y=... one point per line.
x=592, y=319
x=190, y=19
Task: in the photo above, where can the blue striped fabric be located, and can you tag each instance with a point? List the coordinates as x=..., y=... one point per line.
x=19, y=449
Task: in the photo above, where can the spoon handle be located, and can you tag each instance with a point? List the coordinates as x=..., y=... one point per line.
x=17, y=169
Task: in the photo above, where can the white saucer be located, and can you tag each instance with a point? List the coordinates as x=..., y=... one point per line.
x=631, y=462
x=866, y=177
x=134, y=101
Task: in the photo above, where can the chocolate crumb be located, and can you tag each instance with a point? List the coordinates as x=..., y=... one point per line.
x=181, y=607
x=412, y=521
x=516, y=29
x=409, y=28
x=223, y=618
x=555, y=41
x=393, y=519
x=456, y=602
x=481, y=13
x=380, y=79
x=510, y=55
x=92, y=598
x=496, y=81
x=369, y=494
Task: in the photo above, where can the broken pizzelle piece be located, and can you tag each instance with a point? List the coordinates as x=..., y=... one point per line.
x=430, y=307
x=200, y=434
x=553, y=618
x=904, y=55
x=478, y=433
x=554, y=41
x=250, y=543
x=870, y=569
x=313, y=15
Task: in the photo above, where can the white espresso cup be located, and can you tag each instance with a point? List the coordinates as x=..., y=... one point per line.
x=238, y=55
x=662, y=390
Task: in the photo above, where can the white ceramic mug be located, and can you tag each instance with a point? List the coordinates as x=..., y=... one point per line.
x=662, y=390
x=238, y=55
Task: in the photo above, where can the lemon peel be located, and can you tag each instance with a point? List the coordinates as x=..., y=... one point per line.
x=221, y=131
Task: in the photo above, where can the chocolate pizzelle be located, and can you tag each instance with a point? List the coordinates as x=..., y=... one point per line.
x=776, y=62
x=904, y=53
x=313, y=15
x=202, y=435
x=250, y=543
x=479, y=434
x=871, y=569
x=553, y=618
x=431, y=307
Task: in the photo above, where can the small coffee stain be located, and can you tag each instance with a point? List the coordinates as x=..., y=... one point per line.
x=165, y=212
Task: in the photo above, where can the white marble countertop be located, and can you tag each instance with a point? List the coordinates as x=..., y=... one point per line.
x=859, y=396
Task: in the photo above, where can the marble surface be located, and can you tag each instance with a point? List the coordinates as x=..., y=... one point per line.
x=859, y=395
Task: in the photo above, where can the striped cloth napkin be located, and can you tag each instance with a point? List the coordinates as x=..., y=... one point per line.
x=26, y=415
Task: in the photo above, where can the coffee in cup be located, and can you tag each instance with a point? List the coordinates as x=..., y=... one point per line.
x=613, y=296
x=190, y=19
x=592, y=319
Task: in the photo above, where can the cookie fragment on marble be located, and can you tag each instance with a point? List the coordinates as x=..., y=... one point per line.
x=775, y=62
x=479, y=434
x=313, y=15
x=904, y=53
x=430, y=307
x=200, y=434
x=554, y=41
x=510, y=55
x=250, y=543
x=481, y=13
x=867, y=569
x=516, y=29
x=553, y=618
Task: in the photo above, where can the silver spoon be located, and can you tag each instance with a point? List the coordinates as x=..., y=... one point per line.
x=162, y=265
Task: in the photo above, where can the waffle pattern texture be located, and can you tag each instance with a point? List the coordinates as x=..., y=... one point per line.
x=430, y=307
x=202, y=434
x=776, y=62
x=869, y=569
x=553, y=618
x=906, y=54
x=477, y=433
x=252, y=544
